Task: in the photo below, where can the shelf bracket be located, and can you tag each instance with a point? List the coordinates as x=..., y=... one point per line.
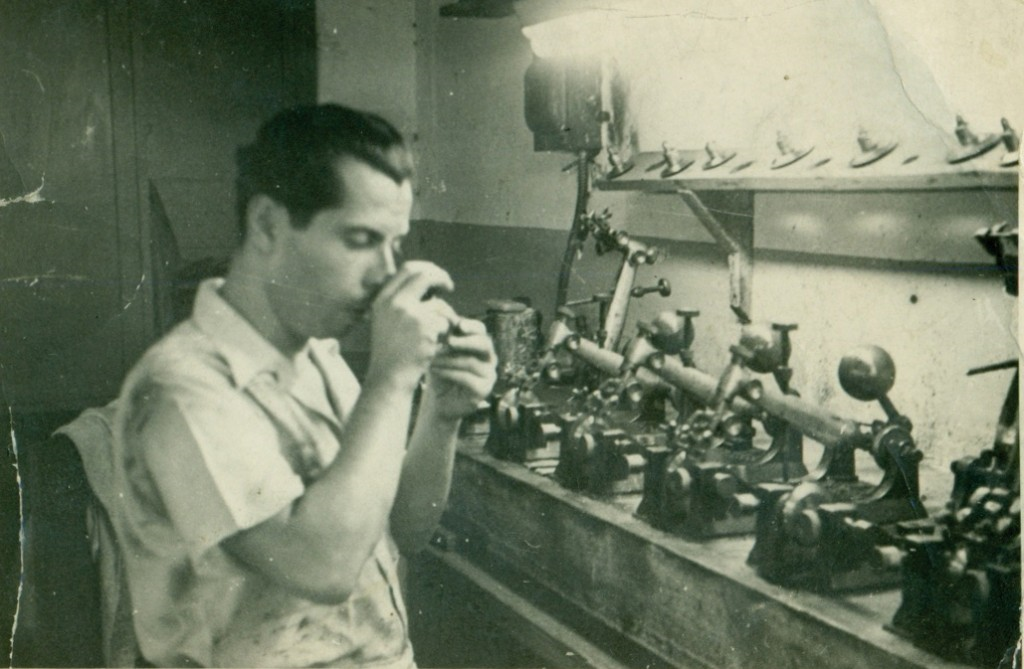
x=733, y=231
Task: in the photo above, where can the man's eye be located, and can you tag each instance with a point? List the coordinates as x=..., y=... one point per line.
x=360, y=239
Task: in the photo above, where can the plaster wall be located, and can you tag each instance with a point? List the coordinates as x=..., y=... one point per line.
x=367, y=57
x=898, y=270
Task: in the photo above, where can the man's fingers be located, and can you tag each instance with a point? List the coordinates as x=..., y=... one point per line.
x=477, y=346
x=469, y=326
x=417, y=279
x=427, y=284
x=444, y=310
x=462, y=378
x=464, y=363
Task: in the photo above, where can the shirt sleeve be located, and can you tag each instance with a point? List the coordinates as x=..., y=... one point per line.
x=215, y=463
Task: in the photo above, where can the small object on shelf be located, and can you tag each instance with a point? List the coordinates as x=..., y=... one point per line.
x=970, y=145
x=790, y=154
x=872, y=150
x=717, y=156
x=1011, y=140
x=823, y=161
x=673, y=161
x=742, y=166
x=619, y=166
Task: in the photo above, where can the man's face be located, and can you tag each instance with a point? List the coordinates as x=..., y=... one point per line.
x=326, y=275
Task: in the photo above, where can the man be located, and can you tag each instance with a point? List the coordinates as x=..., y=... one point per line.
x=264, y=493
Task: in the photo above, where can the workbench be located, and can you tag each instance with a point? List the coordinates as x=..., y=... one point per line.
x=596, y=586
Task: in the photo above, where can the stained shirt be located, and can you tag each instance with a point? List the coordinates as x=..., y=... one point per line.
x=215, y=433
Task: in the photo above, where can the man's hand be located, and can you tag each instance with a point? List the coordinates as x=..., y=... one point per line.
x=464, y=370
x=408, y=324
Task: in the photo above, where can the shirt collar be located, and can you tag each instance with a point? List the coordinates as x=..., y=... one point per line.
x=247, y=352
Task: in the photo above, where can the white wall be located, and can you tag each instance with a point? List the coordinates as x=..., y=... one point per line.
x=907, y=274
x=367, y=57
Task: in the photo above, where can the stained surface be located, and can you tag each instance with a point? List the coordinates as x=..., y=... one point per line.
x=99, y=100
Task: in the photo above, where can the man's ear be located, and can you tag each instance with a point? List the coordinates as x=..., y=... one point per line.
x=265, y=220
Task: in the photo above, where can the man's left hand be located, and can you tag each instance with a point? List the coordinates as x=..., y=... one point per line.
x=464, y=370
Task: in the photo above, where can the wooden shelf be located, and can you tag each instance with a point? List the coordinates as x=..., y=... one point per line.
x=889, y=174
x=694, y=604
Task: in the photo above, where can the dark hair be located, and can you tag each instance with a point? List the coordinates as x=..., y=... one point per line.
x=294, y=156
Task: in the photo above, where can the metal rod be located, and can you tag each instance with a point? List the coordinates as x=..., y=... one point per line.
x=995, y=367
x=615, y=318
x=741, y=258
x=610, y=362
x=575, y=241
x=709, y=221
x=812, y=420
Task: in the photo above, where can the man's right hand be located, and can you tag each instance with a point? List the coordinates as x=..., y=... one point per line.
x=408, y=324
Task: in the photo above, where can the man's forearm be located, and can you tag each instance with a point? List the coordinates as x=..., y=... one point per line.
x=317, y=547
x=426, y=478
x=354, y=496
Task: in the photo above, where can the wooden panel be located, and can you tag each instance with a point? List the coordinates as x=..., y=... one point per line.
x=55, y=101
x=59, y=617
x=691, y=603
x=130, y=91
x=550, y=641
x=95, y=97
x=138, y=321
x=206, y=76
x=59, y=270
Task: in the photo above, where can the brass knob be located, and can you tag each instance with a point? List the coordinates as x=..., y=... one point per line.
x=867, y=373
x=762, y=347
x=664, y=288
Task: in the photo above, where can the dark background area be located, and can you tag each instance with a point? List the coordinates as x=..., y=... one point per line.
x=125, y=118
x=108, y=111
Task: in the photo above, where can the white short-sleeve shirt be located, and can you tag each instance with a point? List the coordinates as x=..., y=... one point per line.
x=216, y=432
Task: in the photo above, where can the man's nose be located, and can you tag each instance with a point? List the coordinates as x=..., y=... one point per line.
x=391, y=260
x=388, y=262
